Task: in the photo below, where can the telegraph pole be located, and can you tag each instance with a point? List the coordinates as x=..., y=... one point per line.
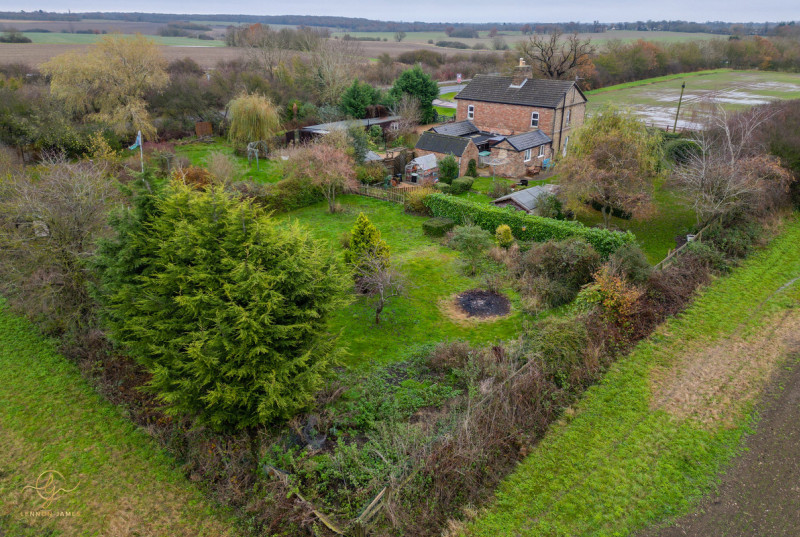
x=675, y=125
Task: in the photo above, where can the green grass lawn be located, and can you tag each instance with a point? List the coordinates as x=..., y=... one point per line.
x=270, y=171
x=655, y=234
x=433, y=274
x=57, y=38
x=622, y=462
x=51, y=419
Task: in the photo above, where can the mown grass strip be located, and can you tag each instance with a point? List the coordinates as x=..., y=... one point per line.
x=620, y=465
x=656, y=80
x=50, y=419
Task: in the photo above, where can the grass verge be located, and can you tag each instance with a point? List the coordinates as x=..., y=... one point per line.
x=620, y=461
x=52, y=420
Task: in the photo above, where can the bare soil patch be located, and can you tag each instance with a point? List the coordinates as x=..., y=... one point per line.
x=453, y=309
x=481, y=303
x=707, y=383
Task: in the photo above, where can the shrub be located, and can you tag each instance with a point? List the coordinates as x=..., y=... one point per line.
x=371, y=173
x=415, y=200
x=193, y=176
x=452, y=44
x=549, y=206
x=560, y=343
x=615, y=297
x=499, y=189
x=630, y=262
x=472, y=241
x=503, y=236
x=448, y=169
x=222, y=167
x=444, y=188
x=188, y=261
x=472, y=168
x=292, y=193
x=735, y=239
x=679, y=150
x=253, y=118
x=459, y=186
x=524, y=226
x=365, y=238
x=437, y=227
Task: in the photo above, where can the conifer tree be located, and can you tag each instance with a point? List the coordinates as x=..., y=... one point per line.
x=365, y=239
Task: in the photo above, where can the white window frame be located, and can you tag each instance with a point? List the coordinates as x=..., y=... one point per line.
x=471, y=111
x=535, y=119
x=541, y=152
x=528, y=155
x=569, y=110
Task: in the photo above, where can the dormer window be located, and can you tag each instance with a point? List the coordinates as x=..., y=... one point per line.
x=534, y=119
x=471, y=112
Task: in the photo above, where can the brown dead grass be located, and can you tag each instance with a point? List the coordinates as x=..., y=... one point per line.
x=713, y=384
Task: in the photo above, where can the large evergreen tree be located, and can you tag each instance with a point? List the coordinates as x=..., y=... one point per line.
x=419, y=84
x=357, y=98
x=226, y=308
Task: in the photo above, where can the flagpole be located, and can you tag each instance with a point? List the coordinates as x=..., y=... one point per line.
x=141, y=156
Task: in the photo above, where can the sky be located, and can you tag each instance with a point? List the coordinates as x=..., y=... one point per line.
x=458, y=11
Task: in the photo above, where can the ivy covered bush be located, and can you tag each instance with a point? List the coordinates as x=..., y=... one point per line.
x=524, y=226
x=459, y=186
x=437, y=227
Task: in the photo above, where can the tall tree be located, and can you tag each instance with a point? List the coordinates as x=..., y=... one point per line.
x=357, y=98
x=328, y=168
x=613, y=160
x=109, y=82
x=253, y=118
x=228, y=310
x=418, y=84
x=556, y=57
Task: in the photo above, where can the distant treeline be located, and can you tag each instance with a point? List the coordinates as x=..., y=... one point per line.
x=368, y=25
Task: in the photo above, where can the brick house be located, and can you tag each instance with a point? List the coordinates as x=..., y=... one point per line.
x=513, y=105
x=463, y=148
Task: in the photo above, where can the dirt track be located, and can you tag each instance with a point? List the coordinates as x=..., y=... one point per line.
x=760, y=494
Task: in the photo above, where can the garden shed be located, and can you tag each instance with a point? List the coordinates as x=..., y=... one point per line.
x=525, y=200
x=422, y=169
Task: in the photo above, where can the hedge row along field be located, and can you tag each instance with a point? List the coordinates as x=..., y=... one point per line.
x=524, y=226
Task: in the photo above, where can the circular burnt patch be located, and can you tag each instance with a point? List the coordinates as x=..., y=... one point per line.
x=480, y=303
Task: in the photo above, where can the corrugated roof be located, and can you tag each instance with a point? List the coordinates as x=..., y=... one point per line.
x=442, y=143
x=498, y=89
x=528, y=140
x=325, y=128
x=459, y=128
x=526, y=198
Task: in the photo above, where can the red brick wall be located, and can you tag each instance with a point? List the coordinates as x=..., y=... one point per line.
x=505, y=118
x=516, y=166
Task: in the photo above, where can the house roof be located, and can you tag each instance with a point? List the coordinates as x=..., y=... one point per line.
x=426, y=162
x=372, y=156
x=544, y=93
x=442, y=143
x=527, y=140
x=459, y=128
x=527, y=198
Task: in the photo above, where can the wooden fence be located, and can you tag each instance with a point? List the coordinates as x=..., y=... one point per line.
x=386, y=194
x=673, y=254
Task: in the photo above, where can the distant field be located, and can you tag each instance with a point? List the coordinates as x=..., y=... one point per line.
x=515, y=37
x=86, y=39
x=657, y=102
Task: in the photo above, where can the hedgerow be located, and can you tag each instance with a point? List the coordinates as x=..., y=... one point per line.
x=525, y=226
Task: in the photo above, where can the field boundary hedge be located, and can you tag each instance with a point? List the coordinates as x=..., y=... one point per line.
x=525, y=226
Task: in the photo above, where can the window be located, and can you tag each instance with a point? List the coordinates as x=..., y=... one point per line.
x=541, y=151
x=534, y=119
x=528, y=154
x=567, y=118
x=471, y=112
x=564, y=151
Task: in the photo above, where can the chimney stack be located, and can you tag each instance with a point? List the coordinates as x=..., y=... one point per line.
x=521, y=73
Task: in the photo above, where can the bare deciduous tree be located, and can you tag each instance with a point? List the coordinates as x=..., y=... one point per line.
x=727, y=170
x=407, y=109
x=333, y=64
x=379, y=281
x=555, y=57
x=327, y=167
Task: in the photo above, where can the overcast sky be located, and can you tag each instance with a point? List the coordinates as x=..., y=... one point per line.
x=453, y=11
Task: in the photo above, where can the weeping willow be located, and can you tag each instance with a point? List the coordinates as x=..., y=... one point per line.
x=253, y=118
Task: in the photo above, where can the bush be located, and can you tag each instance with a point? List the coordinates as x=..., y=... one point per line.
x=222, y=167
x=437, y=227
x=459, y=186
x=415, y=200
x=679, y=150
x=549, y=206
x=503, y=236
x=452, y=44
x=472, y=168
x=615, y=297
x=371, y=173
x=448, y=169
x=287, y=195
x=365, y=238
x=472, y=241
x=735, y=239
x=524, y=226
x=499, y=189
x=444, y=188
x=630, y=262
x=193, y=176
